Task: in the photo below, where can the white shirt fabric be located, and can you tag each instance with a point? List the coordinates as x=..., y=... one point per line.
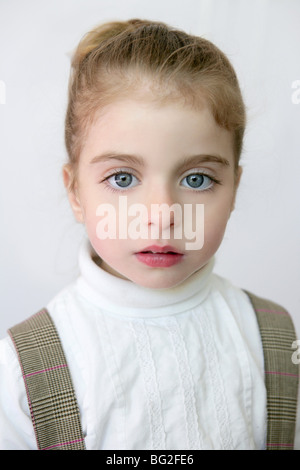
x=165, y=369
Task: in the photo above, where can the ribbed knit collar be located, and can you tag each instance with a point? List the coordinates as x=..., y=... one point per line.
x=125, y=298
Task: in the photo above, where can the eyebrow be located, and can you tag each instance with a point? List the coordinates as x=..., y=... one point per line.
x=137, y=160
x=195, y=160
x=123, y=157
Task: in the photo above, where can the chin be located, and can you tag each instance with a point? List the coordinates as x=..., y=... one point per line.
x=160, y=282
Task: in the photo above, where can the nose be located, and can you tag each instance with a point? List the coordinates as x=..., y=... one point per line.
x=163, y=210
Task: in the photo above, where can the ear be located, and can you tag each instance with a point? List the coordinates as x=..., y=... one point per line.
x=68, y=178
x=237, y=179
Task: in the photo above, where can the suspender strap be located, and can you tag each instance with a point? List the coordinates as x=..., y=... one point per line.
x=53, y=406
x=52, y=402
x=281, y=374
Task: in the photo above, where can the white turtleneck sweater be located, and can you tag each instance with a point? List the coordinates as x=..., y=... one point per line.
x=179, y=368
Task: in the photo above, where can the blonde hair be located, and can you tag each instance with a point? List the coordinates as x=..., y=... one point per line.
x=115, y=58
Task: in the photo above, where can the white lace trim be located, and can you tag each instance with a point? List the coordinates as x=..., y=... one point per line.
x=151, y=385
x=217, y=385
x=111, y=360
x=194, y=439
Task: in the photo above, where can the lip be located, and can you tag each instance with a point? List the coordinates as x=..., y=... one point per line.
x=159, y=256
x=161, y=249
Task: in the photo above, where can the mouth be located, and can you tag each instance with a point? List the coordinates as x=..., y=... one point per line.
x=159, y=256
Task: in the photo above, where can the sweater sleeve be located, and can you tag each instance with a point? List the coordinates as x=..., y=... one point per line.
x=16, y=430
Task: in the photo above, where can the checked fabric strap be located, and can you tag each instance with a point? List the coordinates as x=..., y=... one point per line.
x=51, y=398
x=281, y=374
x=52, y=401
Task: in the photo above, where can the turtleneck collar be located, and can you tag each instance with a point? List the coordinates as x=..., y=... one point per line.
x=125, y=298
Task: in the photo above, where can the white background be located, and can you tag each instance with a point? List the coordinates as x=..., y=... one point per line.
x=39, y=238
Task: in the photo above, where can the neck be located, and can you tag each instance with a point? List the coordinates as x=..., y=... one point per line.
x=123, y=297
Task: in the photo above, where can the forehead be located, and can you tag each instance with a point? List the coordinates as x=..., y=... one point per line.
x=155, y=129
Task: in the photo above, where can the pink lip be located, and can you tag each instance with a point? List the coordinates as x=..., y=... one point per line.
x=159, y=256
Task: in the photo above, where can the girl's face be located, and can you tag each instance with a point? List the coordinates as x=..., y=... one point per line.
x=139, y=152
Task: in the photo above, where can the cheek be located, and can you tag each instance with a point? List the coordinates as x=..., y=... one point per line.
x=105, y=249
x=99, y=230
x=102, y=231
x=213, y=236
x=215, y=222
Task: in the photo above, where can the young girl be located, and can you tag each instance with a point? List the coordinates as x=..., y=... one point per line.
x=158, y=352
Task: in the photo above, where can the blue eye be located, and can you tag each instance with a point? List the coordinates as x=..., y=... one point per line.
x=122, y=180
x=197, y=181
